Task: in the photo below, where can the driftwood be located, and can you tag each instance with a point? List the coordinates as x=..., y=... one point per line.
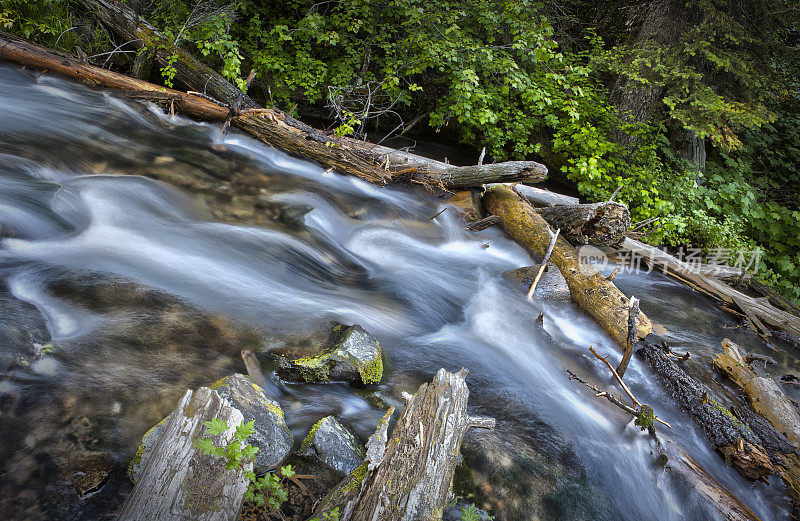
x=409, y=477
x=545, y=260
x=538, y=197
x=599, y=224
x=633, y=326
x=178, y=482
x=766, y=397
x=758, y=310
x=590, y=290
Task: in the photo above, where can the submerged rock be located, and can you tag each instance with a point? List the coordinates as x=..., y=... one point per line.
x=551, y=285
x=334, y=444
x=351, y=355
x=89, y=470
x=271, y=436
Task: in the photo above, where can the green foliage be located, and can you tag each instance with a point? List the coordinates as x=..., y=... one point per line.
x=646, y=417
x=49, y=23
x=264, y=491
x=470, y=513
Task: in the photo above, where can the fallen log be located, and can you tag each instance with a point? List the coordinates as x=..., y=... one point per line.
x=599, y=224
x=178, y=480
x=134, y=29
x=538, y=197
x=758, y=310
x=596, y=295
x=766, y=397
x=409, y=477
x=731, y=438
x=276, y=128
x=16, y=50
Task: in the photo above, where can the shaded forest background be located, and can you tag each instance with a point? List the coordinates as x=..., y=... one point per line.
x=690, y=108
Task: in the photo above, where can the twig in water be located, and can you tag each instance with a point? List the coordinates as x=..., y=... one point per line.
x=616, y=375
x=553, y=238
x=440, y=212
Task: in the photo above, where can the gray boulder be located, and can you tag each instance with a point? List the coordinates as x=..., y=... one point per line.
x=351, y=355
x=272, y=436
x=334, y=444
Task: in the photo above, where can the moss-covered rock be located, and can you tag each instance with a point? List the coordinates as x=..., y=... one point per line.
x=334, y=444
x=351, y=355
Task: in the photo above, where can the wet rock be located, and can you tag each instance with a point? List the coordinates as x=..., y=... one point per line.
x=88, y=470
x=334, y=444
x=551, y=286
x=351, y=355
x=271, y=436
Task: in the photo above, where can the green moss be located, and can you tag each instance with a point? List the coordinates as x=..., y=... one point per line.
x=646, y=418
x=356, y=477
x=219, y=383
x=372, y=371
x=313, y=368
x=305, y=447
x=726, y=412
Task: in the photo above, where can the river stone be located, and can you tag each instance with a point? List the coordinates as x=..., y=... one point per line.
x=551, y=285
x=352, y=355
x=272, y=436
x=455, y=512
x=334, y=444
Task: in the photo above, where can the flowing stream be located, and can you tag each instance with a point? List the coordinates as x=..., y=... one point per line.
x=121, y=286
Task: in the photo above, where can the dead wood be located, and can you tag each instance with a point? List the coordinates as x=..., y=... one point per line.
x=590, y=290
x=599, y=224
x=758, y=310
x=409, y=477
x=633, y=321
x=178, y=481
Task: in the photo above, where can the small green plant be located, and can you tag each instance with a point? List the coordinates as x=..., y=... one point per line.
x=268, y=490
x=348, y=127
x=470, y=513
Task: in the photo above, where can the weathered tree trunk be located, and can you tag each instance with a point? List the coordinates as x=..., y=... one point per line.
x=538, y=197
x=758, y=310
x=189, y=70
x=661, y=26
x=599, y=224
x=180, y=483
x=409, y=478
x=590, y=290
x=766, y=397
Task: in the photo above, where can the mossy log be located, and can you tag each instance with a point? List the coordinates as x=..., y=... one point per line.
x=599, y=224
x=758, y=310
x=591, y=291
x=133, y=28
x=767, y=398
x=732, y=438
x=407, y=475
x=178, y=482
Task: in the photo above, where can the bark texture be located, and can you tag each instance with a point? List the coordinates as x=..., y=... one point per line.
x=407, y=475
x=721, y=428
x=179, y=482
x=599, y=224
x=591, y=291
